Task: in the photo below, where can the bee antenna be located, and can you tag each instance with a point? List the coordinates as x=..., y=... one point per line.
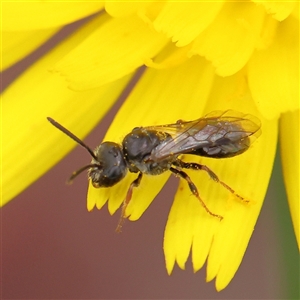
x=73, y=137
x=76, y=173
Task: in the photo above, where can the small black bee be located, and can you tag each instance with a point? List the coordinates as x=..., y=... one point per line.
x=155, y=149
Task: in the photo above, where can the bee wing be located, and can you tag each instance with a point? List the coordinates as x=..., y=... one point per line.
x=218, y=134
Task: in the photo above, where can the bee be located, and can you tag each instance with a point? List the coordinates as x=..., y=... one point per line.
x=154, y=150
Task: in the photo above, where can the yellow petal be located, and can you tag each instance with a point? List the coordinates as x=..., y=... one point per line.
x=274, y=72
x=175, y=57
x=190, y=226
x=279, y=10
x=160, y=97
x=17, y=44
x=289, y=145
x=124, y=9
x=229, y=41
x=34, y=15
x=295, y=12
x=114, y=50
x=183, y=21
x=30, y=144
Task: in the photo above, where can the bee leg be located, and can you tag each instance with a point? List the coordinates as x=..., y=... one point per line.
x=194, y=190
x=212, y=175
x=180, y=122
x=126, y=201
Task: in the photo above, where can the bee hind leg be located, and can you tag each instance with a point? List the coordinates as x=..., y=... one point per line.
x=126, y=201
x=212, y=175
x=194, y=190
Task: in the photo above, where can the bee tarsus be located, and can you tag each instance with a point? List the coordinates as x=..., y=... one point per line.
x=126, y=201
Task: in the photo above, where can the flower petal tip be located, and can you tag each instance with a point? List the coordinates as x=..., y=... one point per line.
x=170, y=266
x=169, y=271
x=90, y=207
x=209, y=278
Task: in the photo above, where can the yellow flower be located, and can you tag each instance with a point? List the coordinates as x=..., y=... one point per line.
x=200, y=57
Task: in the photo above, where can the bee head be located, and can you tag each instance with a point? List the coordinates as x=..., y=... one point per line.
x=108, y=165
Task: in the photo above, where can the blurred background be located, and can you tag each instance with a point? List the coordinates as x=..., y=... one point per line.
x=52, y=247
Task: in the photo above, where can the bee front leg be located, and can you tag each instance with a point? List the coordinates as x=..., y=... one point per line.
x=194, y=190
x=212, y=175
x=126, y=201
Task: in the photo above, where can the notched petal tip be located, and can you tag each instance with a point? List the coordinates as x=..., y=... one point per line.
x=278, y=10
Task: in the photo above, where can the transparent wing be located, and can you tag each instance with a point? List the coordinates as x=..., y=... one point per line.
x=219, y=134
